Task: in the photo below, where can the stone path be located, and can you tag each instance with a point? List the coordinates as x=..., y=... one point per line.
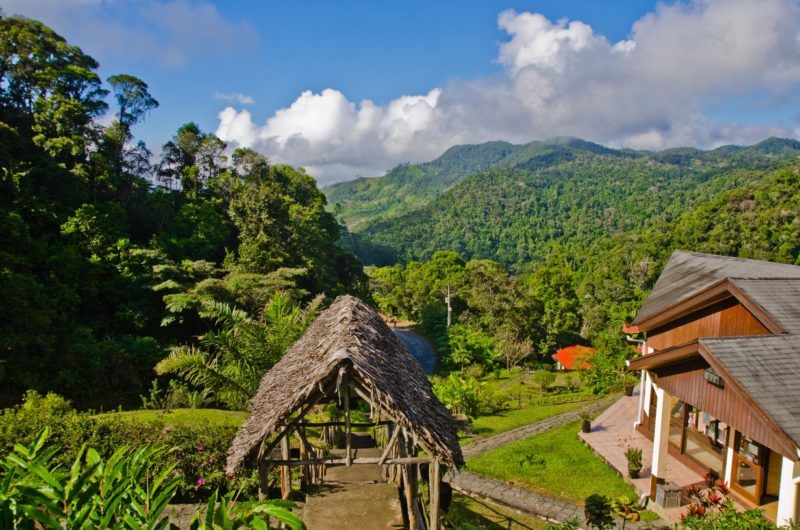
x=484, y=445
x=354, y=497
x=523, y=499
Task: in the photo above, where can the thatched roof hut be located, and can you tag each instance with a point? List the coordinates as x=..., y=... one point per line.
x=347, y=340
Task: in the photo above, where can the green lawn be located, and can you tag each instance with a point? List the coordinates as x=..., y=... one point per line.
x=556, y=463
x=190, y=417
x=512, y=418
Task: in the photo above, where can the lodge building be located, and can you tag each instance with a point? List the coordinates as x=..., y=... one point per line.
x=720, y=376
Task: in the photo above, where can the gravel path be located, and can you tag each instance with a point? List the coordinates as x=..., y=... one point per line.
x=420, y=347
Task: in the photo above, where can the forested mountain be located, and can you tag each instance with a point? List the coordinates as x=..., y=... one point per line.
x=409, y=186
x=567, y=193
x=106, y=255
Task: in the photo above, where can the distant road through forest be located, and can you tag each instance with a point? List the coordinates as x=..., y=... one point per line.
x=420, y=347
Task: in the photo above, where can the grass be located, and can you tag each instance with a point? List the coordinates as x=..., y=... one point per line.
x=187, y=417
x=556, y=463
x=466, y=512
x=513, y=418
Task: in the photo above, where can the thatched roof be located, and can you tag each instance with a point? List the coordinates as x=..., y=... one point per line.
x=349, y=333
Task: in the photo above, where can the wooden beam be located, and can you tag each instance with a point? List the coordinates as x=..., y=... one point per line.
x=410, y=491
x=347, y=426
x=340, y=423
x=343, y=461
x=391, y=444
x=267, y=448
x=433, y=488
x=263, y=476
x=286, y=471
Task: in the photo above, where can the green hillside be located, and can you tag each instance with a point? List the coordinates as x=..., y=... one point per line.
x=568, y=193
x=409, y=186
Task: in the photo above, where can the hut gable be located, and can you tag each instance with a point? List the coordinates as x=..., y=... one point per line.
x=348, y=337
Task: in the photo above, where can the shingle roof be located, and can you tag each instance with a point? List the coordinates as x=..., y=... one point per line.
x=768, y=368
x=780, y=297
x=688, y=273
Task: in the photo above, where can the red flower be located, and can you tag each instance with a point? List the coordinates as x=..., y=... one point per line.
x=201, y=481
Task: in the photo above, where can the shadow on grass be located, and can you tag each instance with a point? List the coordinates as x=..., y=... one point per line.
x=486, y=516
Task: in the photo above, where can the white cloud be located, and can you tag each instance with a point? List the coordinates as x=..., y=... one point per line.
x=169, y=32
x=560, y=78
x=242, y=99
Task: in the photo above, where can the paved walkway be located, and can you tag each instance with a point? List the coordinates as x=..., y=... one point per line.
x=612, y=433
x=523, y=499
x=354, y=497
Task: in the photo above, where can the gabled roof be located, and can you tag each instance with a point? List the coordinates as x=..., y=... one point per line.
x=689, y=273
x=780, y=297
x=768, y=369
x=349, y=334
x=574, y=357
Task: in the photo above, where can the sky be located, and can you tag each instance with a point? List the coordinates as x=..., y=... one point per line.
x=348, y=89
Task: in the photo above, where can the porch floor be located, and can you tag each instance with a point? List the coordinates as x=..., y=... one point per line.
x=612, y=433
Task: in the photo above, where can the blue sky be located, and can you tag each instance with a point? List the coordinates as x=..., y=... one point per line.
x=441, y=72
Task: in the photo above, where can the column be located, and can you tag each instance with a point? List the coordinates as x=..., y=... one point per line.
x=730, y=450
x=787, y=499
x=660, y=440
x=642, y=390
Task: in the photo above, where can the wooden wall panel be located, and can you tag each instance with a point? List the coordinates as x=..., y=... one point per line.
x=685, y=381
x=727, y=318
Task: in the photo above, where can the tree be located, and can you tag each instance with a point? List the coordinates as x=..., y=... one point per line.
x=133, y=98
x=512, y=349
x=231, y=359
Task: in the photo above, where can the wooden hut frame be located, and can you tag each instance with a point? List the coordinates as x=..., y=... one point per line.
x=347, y=352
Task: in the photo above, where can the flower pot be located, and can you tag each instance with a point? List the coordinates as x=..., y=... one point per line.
x=628, y=390
x=586, y=425
x=633, y=472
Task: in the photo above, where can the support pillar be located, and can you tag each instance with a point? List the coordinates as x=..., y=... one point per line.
x=286, y=471
x=787, y=498
x=640, y=405
x=730, y=450
x=660, y=440
x=263, y=484
x=433, y=489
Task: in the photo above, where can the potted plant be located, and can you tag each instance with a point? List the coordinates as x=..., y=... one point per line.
x=634, y=457
x=630, y=382
x=586, y=421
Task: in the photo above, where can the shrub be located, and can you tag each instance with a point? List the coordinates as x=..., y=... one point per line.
x=459, y=394
x=726, y=518
x=198, y=451
x=545, y=379
x=130, y=489
x=597, y=510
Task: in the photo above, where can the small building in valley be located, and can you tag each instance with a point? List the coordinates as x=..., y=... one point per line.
x=575, y=357
x=720, y=383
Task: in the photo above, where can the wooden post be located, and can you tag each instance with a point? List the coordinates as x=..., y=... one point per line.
x=347, y=426
x=410, y=490
x=263, y=475
x=286, y=471
x=305, y=475
x=433, y=488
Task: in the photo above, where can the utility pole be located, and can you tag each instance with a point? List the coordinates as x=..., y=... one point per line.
x=449, y=309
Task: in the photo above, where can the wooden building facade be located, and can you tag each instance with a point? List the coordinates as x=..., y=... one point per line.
x=720, y=376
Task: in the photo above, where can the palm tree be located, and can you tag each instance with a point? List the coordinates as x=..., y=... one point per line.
x=230, y=360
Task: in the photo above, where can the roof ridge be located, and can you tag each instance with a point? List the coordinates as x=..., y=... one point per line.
x=730, y=258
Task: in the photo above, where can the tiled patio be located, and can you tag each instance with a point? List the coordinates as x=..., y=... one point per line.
x=612, y=433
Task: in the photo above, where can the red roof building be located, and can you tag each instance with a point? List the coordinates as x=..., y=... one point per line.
x=573, y=357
